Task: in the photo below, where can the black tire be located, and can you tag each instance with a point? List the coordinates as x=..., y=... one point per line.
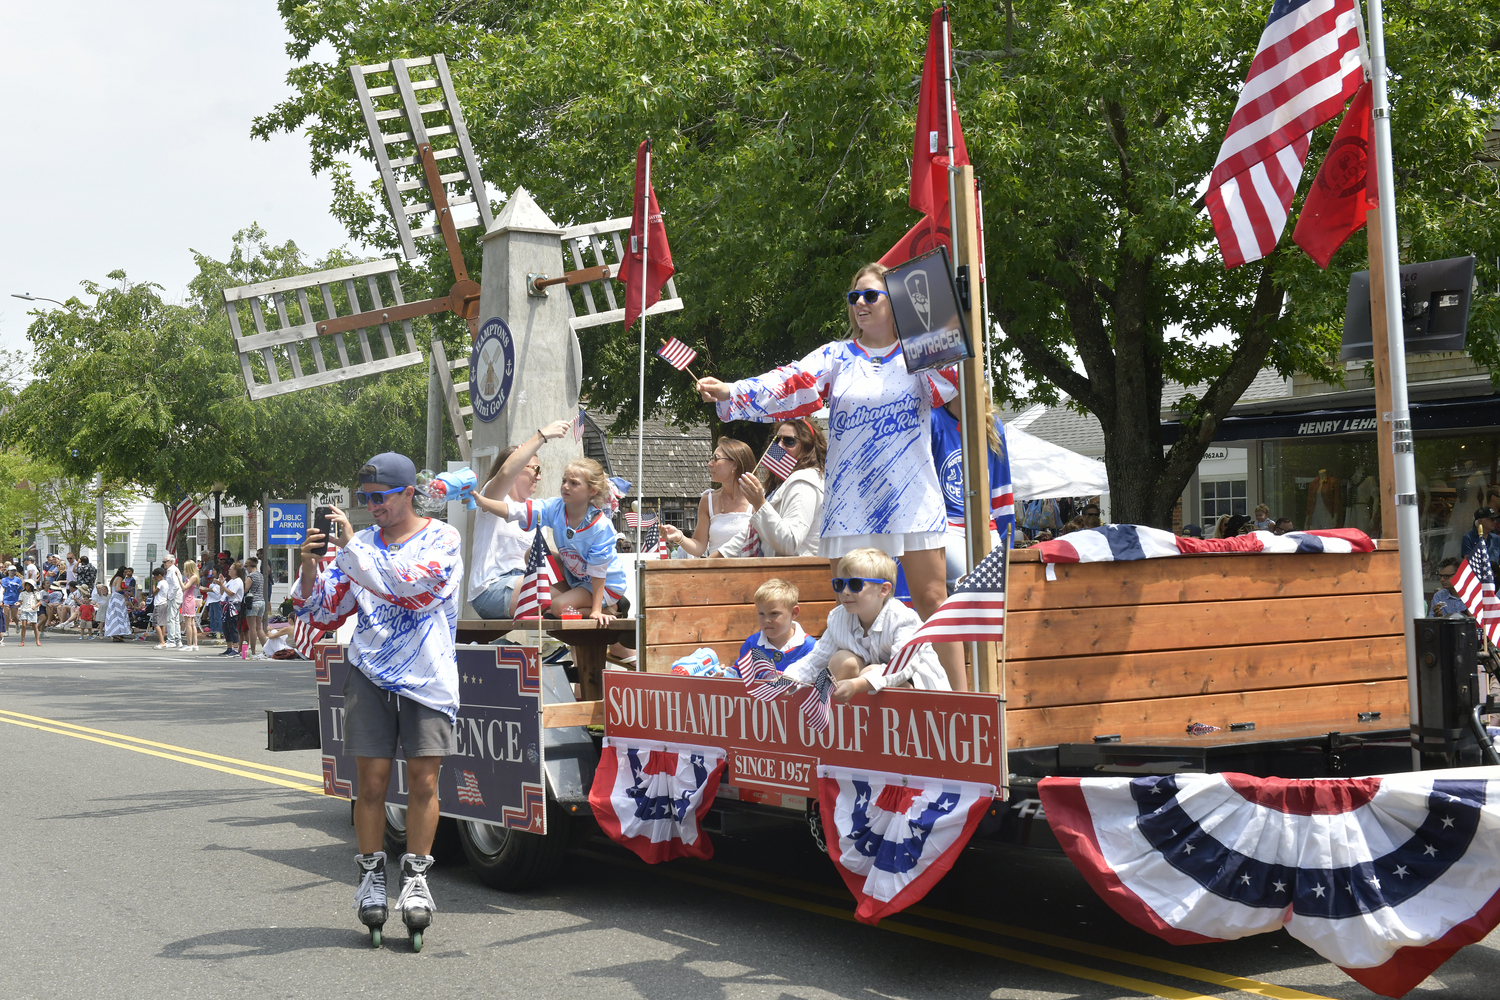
x=511, y=861
x=446, y=849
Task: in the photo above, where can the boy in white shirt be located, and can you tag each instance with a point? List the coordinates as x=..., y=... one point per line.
x=866, y=631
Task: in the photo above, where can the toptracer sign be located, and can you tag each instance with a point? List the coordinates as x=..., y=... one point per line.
x=492, y=369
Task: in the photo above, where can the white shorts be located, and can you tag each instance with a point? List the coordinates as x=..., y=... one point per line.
x=895, y=546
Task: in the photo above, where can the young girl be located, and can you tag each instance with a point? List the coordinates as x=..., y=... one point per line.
x=882, y=486
x=190, y=605
x=724, y=513
x=593, y=576
x=30, y=601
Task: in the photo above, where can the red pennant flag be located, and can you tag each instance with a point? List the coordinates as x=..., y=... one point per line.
x=1344, y=189
x=659, y=267
x=929, y=154
x=929, y=234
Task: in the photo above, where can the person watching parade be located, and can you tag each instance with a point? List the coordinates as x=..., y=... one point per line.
x=882, y=489
x=400, y=579
x=786, y=522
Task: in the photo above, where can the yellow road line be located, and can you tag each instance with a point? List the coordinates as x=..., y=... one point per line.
x=314, y=789
x=895, y=926
x=167, y=746
x=1240, y=983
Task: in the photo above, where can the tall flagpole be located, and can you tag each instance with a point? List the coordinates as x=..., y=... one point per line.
x=1407, y=526
x=640, y=421
x=963, y=391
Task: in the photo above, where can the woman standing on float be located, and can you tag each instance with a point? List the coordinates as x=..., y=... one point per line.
x=881, y=485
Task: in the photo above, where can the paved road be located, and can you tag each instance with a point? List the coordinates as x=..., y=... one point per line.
x=141, y=865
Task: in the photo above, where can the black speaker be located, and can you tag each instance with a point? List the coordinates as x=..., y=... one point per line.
x=1448, y=690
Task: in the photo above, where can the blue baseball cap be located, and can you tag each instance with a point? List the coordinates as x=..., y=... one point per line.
x=389, y=469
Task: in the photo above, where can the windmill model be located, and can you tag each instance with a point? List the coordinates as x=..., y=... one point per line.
x=329, y=326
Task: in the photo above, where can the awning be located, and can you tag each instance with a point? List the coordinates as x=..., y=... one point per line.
x=1432, y=415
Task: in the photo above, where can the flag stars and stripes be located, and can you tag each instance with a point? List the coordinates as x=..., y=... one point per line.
x=1430, y=851
x=1402, y=871
x=1318, y=891
x=1279, y=886
x=1447, y=821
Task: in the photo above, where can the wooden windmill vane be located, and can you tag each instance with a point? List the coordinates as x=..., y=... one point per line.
x=297, y=320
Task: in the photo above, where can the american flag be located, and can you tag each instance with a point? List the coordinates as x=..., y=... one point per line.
x=1474, y=583
x=815, y=706
x=632, y=519
x=762, y=679
x=651, y=541
x=182, y=514
x=468, y=789
x=538, y=581
x=578, y=427
x=779, y=461
x=1306, y=66
x=975, y=612
x=677, y=354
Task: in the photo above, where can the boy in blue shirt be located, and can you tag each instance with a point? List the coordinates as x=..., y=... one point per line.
x=10, y=596
x=780, y=637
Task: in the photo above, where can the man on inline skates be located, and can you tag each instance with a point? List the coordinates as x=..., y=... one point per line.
x=400, y=577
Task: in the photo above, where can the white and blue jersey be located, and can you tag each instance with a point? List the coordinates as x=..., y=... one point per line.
x=586, y=550
x=879, y=476
x=948, y=454
x=405, y=597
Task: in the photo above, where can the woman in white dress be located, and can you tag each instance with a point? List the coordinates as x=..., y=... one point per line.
x=786, y=523
x=882, y=488
x=724, y=513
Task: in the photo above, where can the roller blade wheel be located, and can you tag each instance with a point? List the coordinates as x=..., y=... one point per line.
x=510, y=860
x=416, y=942
x=416, y=926
x=375, y=937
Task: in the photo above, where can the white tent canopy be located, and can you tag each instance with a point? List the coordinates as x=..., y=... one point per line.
x=1040, y=469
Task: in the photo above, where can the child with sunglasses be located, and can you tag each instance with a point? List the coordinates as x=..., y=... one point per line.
x=866, y=631
x=881, y=488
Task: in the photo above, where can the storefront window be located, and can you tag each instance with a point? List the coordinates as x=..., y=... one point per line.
x=1227, y=496
x=116, y=548
x=1333, y=483
x=233, y=532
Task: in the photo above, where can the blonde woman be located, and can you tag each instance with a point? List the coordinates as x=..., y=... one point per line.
x=724, y=513
x=190, y=605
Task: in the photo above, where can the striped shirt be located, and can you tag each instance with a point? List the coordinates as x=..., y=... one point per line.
x=891, y=630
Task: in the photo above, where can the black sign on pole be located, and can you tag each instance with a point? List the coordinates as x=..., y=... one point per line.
x=1434, y=308
x=929, y=322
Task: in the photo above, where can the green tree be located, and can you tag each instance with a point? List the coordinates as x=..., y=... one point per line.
x=150, y=392
x=782, y=130
x=69, y=507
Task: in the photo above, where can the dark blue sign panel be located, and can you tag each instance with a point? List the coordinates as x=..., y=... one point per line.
x=496, y=775
x=924, y=303
x=492, y=369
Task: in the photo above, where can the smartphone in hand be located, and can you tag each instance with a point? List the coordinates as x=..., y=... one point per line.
x=322, y=523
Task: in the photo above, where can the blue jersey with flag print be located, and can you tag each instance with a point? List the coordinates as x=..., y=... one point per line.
x=948, y=454
x=880, y=478
x=586, y=550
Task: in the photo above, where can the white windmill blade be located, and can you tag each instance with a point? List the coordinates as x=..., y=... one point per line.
x=439, y=123
x=289, y=350
x=601, y=243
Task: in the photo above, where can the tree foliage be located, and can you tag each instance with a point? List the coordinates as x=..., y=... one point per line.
x=150, y=392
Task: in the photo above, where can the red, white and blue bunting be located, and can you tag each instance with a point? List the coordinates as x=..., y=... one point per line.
x=892, y=838
x=1125, y=542
x=651, y=796
x=1385, y=876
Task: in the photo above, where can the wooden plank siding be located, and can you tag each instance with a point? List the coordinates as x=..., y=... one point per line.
x=1298, y=644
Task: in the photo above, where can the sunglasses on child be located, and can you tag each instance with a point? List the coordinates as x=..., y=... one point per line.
x=870, y=295
x=375, y=498
x=854, y=583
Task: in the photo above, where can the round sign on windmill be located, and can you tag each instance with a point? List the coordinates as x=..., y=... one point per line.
x=492, y=369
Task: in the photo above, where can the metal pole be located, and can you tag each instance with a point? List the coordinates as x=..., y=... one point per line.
x=1407, y=526
x=963, y=391
x=984, y=298
x=640, y=421
x=434, y=416
x=99, y=559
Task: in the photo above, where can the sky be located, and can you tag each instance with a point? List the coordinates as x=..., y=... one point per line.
x=128, y=141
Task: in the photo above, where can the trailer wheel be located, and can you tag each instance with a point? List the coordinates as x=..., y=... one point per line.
x=510, y=860
x=446, y=849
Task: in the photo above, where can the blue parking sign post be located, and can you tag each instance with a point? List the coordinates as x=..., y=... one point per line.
x=288, y=523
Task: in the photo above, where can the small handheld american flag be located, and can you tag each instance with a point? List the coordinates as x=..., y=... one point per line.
x=1474, y=583
x=975, y=612
x=539, y=578
x=677, y=354
x=779, y=461
x=632, y=519
x=816, y=707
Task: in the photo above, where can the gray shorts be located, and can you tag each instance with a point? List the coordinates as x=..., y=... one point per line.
x=374, y=720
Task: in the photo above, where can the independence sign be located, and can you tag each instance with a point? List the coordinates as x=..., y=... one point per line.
x=771, y=752
x=496, y=775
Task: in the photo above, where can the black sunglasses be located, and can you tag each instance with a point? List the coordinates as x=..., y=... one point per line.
x=870, y=295
x=787, y=440
x=376, y=498
x=854, y=583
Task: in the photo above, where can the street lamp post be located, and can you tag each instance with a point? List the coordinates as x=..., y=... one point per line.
x=36, y=298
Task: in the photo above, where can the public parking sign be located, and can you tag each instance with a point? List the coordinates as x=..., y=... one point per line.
x=288, y=523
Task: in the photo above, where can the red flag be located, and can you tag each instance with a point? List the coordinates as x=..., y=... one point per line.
x=926, y=235
x=659, y=267
x=1344, y=189
x=929, y=154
